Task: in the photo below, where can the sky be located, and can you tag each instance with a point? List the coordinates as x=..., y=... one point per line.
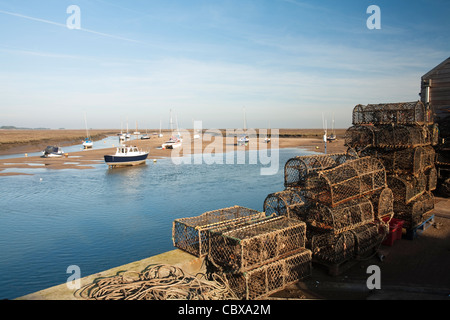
x=281, y=63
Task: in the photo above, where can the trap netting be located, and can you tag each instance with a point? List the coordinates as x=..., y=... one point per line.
x=247, y=247
x=288, y=203
x=407, y=187
x=432, y=177
x=298, y=170
x=387, y=113
x=344, y=217
x=262, y=281
x=413, y=213
x=398, y=161
x=367, y=237
x=347, y=181
x=330, y=248
x=191, y=234
x=387, y=136
x=382, y=202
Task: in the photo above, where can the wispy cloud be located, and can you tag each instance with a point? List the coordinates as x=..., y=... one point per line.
x=65, y=26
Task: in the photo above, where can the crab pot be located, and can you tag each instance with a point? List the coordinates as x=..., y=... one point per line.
x=387, y=113
x=360, y=136
x=382, y=202
x=403, y=161
x=344, y=217
x=388, y=136
x=351, y=180
x=298, y=170
x=191, y=234
x=288, y=203
x=414, y=212
x=367, y=237
x=406, y=187
x=329, y=248
x=262, y=281
x=431, y=176
x=245, y=248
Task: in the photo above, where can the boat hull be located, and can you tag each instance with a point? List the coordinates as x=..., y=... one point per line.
x=114, y=161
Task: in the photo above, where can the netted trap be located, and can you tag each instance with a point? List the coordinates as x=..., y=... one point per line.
x=342, y=218
x=329, y=248
x=367, y=237
x=388, y=113
x=247, y=247
x=413, y=213
x=260, y=282
x=399, y=161
x=298, y=170
x=406, y=187
x=191, y=234
x=382, y=202
x=387, y=136
x=432, y=177
x=288, y=203
x=347, y=181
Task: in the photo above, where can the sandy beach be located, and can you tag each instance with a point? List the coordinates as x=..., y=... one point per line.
x=17, y=143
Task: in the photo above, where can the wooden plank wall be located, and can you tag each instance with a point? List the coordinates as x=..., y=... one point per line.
x=440, y=90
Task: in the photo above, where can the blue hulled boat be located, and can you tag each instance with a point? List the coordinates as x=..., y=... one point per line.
x=126, y=156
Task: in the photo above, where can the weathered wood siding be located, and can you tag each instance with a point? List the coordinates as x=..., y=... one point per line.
x=439, y=78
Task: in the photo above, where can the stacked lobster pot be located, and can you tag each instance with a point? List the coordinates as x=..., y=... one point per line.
x=401, y=136
x=255, y=254
x=340, y=198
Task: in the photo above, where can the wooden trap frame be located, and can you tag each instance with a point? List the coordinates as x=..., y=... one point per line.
x=250, y=246
x=262, y=281
x=191, y=234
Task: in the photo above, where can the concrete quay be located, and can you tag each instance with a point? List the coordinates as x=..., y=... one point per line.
x=410, y=270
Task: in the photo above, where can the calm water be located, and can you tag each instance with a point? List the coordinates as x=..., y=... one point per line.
x=102, y=218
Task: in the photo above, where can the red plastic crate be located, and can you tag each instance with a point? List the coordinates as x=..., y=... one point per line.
x=391, y=237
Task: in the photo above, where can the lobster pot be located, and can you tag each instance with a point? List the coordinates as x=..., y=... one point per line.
x=272, y=277
x=288, y=203
x=191, y=234
x=360, y=136
x=429, y=157
x=329, y=248
x=367, y=237
x=414, y=212
x=348, y=181
x=409, y=160
x=245, y=248
x=382, y=202
x=298, y=170
x=344, y=217
x=402, y=136
x=406, y=187
x=387, y=113
x=431, y=176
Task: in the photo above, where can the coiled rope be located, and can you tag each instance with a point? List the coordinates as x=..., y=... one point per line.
x=157, y=282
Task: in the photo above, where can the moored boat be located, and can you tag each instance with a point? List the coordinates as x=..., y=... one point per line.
x=52, y=152
x=126, y=156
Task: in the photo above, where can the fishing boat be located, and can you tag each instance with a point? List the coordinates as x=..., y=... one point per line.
x=52, y=152
x=126, y=156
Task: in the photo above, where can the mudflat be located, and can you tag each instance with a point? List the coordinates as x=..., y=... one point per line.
x=28, y=141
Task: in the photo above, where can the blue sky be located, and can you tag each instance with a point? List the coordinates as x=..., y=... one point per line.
x=286, y=62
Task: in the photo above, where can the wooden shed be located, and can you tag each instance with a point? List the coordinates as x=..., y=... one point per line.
x=435, y=92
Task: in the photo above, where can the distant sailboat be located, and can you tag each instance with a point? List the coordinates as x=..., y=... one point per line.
x=332, y=136
x=87, y=143
x=174, y=141
x=243, y=140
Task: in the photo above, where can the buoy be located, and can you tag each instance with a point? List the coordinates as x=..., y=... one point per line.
x=26, y=154
x=317, y=147
x=154, y=160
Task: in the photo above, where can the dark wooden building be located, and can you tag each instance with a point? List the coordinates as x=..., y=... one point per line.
x=435, y=93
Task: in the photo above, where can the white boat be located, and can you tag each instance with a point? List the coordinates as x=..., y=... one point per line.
x=243, y=140
x=126, y=156
x=176, y=140
x=172, y=143
x=87, y=143
x=52, y=152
